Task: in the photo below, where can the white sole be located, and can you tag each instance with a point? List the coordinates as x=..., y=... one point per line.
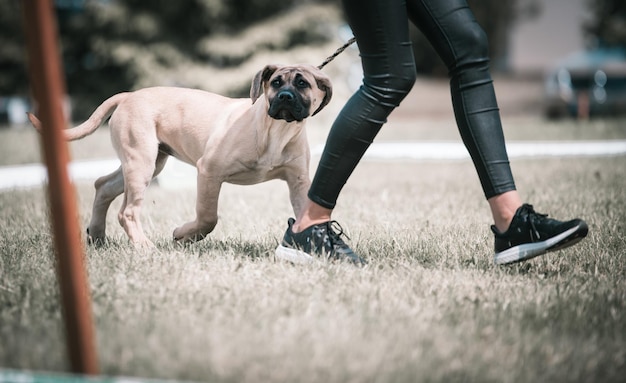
x=531, y=250
x=292, y=255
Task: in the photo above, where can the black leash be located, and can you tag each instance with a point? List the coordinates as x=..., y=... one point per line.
x=337, y=53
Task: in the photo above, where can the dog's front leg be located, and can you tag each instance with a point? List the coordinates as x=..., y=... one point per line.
x=299, y=182
x=206, y=210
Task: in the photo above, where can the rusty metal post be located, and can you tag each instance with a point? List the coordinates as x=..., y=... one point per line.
x=47, y=84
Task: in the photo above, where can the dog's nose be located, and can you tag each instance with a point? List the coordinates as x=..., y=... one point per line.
x=286, y=96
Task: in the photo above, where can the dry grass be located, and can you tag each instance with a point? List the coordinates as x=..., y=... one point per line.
x=429, y=307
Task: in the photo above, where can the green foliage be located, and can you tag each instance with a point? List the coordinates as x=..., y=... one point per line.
x=103, y=41
x=111, y=46
x=13, y=78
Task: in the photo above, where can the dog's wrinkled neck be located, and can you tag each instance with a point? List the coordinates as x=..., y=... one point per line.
x=276, y=135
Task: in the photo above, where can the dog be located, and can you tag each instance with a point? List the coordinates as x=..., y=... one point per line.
x=240, y=141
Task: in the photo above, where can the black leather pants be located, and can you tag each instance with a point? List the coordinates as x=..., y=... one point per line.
x=381, y=30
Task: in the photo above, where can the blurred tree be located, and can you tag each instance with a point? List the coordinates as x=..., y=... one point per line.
x=607, y=26
x=106, y=44
x=12, y=72
x=109, y=45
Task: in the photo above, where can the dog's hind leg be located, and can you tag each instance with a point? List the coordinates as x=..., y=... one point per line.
x=138, y=153
x=107, y=189
x=129, y=216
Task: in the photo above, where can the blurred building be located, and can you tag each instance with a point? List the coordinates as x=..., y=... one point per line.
x=539, y=43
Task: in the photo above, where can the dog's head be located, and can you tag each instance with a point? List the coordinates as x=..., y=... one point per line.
x=293, y=92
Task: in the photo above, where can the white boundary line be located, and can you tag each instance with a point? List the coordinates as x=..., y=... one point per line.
x=24, y=176
x=448, y=150
x=177, y=174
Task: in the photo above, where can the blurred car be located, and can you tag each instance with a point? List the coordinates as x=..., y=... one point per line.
x=588, y=83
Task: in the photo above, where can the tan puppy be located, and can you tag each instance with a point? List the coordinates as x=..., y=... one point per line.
x=240, y=141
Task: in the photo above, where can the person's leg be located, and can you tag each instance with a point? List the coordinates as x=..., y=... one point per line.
x=451, y=28
x=520, y=232
x=381, y=31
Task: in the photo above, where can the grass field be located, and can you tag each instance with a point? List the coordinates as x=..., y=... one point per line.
x=430, y=306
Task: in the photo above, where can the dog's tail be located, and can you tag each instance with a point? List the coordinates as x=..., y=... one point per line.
x=95, y=120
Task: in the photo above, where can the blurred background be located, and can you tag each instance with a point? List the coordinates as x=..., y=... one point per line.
x=568, y=57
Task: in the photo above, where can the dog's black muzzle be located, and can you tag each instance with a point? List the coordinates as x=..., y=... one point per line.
x=289, y=106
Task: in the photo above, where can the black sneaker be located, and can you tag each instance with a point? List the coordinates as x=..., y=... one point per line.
x=318, y=240
x=531, y=234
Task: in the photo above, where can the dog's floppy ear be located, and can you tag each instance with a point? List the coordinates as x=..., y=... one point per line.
x=257, y=82
x=324, y=84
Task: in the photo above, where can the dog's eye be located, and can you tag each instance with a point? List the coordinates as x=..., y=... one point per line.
x=277, y=83
x=302, y=83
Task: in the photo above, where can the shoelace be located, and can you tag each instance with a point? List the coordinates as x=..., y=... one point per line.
x=529, y=214
x=335, y=231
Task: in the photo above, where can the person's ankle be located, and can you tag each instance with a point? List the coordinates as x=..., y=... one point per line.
x=503, y=223
x=503, y=209
x=304, y=223
x=312, y=214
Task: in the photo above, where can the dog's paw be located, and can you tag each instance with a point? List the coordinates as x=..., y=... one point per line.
x=183, y=236
x=96, y=241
